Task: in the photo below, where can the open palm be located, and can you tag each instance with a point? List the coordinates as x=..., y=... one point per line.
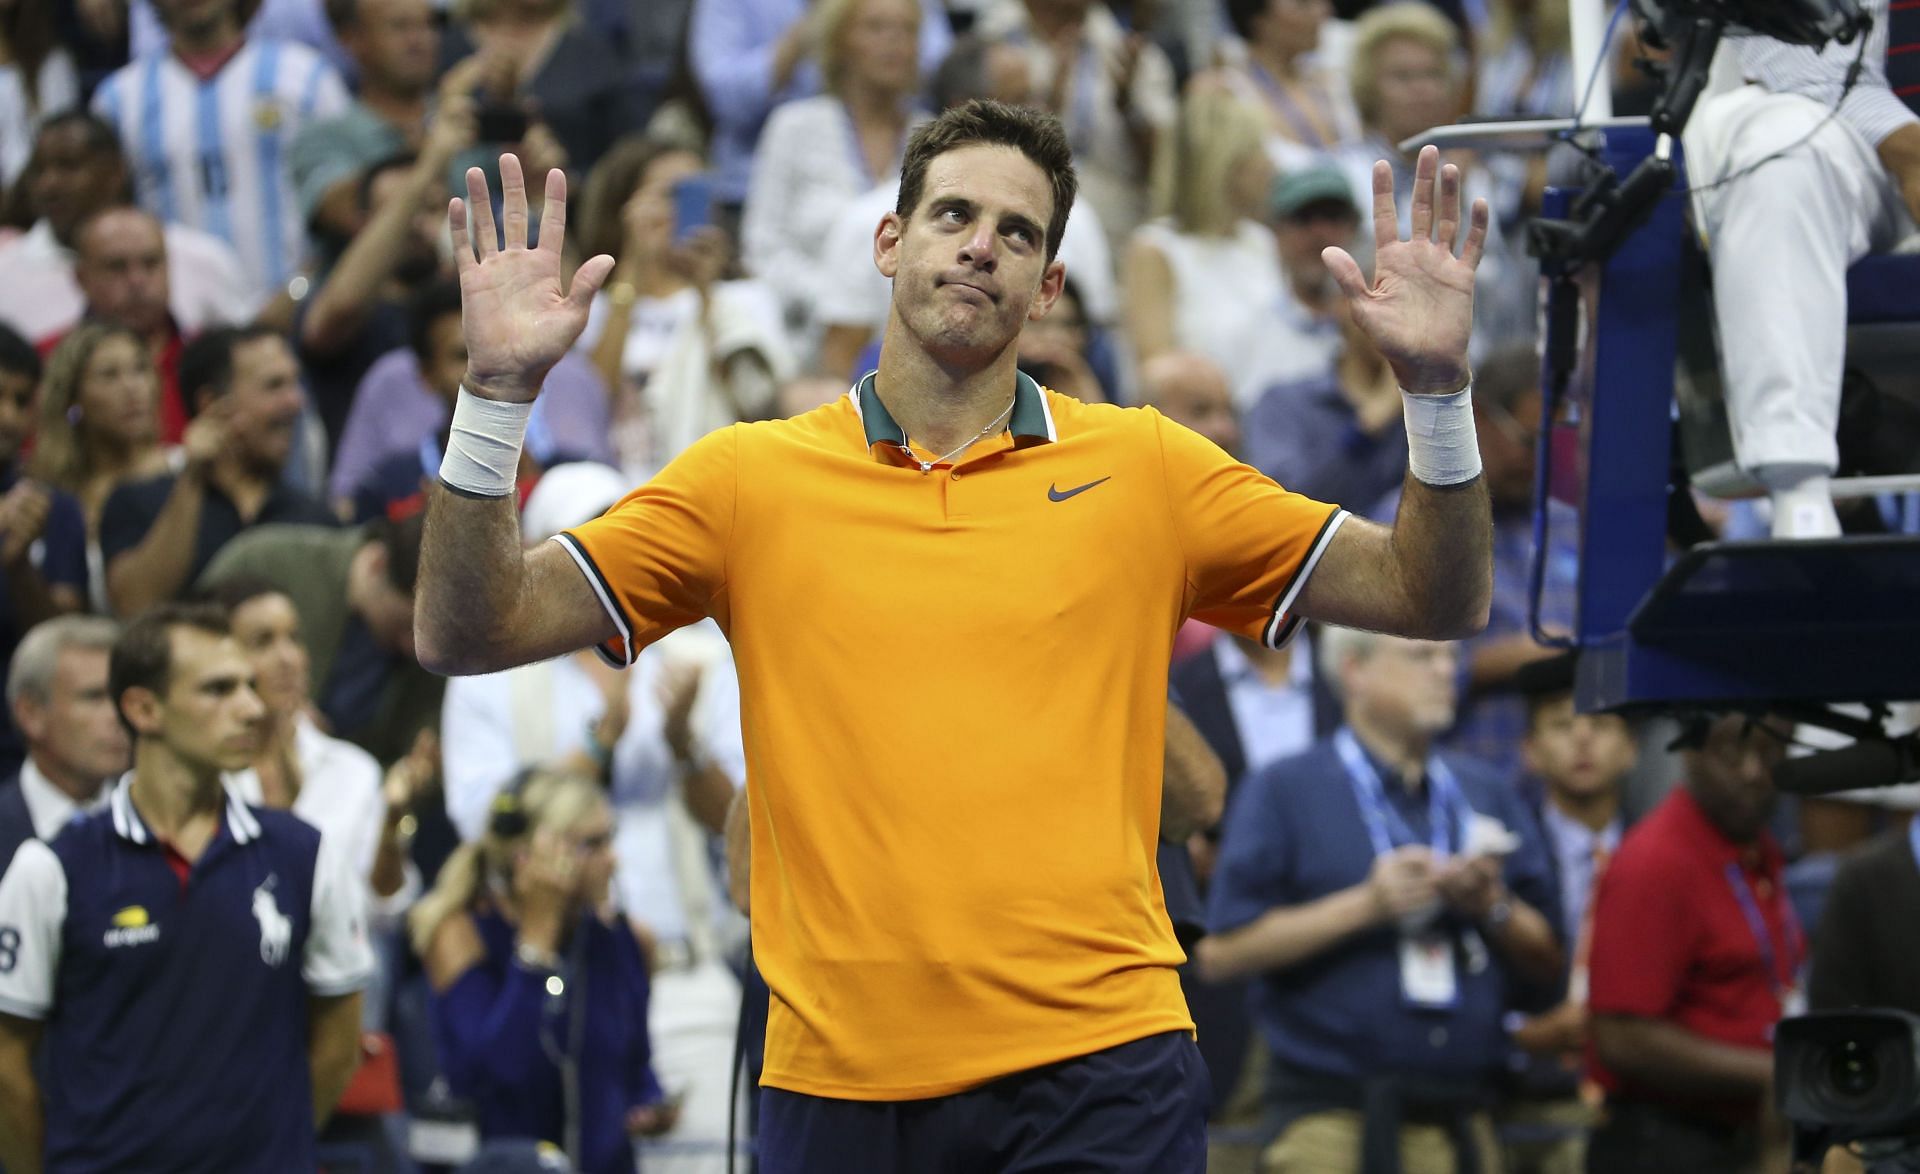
x=518, y=319
x=1419, y=309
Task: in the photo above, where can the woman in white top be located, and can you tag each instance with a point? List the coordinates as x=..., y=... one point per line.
x=1204, y=275
x=817, y=154
x=1309, y=110
x=36, y=79
x=665, y=325
x=333, y=785
x=663, y=738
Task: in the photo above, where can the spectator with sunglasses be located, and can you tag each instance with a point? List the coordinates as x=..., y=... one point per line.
x=525, y=953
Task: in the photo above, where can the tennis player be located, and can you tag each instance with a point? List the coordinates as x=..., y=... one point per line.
x=952, y=596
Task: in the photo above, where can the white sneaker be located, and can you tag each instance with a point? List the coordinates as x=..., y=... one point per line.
x=1805, y=512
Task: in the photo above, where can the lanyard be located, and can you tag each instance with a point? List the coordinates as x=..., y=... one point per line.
x=1443, y=797
x=1750, y=908
x=1305, y=132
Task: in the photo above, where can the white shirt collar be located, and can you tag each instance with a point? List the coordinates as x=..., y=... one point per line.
x=241, y=824
x=1576, y=838
x=47, y=805
x=1236, y=668
x=39, y=241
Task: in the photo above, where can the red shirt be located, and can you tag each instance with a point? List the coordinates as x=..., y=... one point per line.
x=1672, y=940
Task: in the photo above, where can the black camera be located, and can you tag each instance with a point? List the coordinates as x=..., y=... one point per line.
x=1846, y=1076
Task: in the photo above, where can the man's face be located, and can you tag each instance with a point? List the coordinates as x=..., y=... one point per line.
x=1731, y=774
x=263, y=405
x=19, y=400
x=1198, y=398
x=969, y=266
x=122, y=270
x=1507, y=448
x=69, y=179
x=268, y=630
x=446, y=362
x=1310, y=230
x=1577, y=755
x=1406, y=684
x=76, y=731
x=419, y=260
x=395, y=43
x=1415, y=88
x=209, y=716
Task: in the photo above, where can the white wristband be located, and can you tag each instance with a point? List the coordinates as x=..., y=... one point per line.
x=1442, y=448
x=483, y=449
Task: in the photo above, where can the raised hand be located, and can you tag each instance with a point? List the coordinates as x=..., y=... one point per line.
x=519, y=320
x=1419, y=310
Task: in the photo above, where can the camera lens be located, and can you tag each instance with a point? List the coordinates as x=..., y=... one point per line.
x=1853, y=1069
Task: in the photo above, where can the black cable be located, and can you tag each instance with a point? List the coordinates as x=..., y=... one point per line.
x=1853, y=79
x=1570, y=135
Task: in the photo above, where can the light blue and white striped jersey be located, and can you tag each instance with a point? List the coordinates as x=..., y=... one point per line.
x=213, y=154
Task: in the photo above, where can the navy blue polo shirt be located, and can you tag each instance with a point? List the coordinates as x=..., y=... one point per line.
x=1294, y=833
x=61, y=558
x=133, y=508
x=176, y=1010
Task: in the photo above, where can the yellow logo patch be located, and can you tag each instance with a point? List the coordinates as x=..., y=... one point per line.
x=132, y=917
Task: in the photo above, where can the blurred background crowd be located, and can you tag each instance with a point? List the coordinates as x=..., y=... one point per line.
x=229, y=344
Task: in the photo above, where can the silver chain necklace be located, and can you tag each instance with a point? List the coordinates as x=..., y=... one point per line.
x=927, y=466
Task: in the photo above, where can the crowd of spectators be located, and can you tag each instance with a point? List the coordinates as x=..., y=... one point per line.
x=1447, y=931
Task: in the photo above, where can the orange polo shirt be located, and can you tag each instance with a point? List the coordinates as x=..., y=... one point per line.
x=953, y=696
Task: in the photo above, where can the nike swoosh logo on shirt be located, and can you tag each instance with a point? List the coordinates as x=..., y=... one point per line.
x=1054, y=494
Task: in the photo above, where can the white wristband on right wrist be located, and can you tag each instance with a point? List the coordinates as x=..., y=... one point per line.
x=1442, y=448
x=483, y=446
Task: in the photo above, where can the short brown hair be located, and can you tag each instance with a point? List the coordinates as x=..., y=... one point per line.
x=1034, y=133
x=142, y=657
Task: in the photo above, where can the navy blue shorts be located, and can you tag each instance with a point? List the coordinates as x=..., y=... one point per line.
x=1140, y=1108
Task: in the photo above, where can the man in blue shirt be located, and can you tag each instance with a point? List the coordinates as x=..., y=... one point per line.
x=1390, y=899
x=179, y=973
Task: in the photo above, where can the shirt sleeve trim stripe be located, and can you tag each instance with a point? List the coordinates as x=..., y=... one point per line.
x=1282, y=626
x=350, y=985
x=23, y=1010
x=604, y=591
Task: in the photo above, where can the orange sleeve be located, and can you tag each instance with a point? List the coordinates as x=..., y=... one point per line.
x=658, y=558
x=1249, y=545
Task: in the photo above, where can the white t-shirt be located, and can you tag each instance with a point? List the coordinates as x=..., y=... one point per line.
x=671, y=352
x=806, y=170
x=1225, y=290
x=20, y=115
x=855, y=293
x=494, y=725
x=205, y=284
x=339, y=794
